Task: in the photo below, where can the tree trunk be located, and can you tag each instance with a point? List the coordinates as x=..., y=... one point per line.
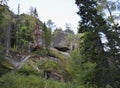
x=8, y=37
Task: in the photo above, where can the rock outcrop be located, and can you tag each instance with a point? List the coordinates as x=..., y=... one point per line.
x=60, y=41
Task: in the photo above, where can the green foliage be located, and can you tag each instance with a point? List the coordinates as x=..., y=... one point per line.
x=29, y=68
x=72, y=40
x=24, y=33
x=2, y=53
x=49, y=65
x=90, y=25
x=82, y=69
x=5, y=18
x=90, y=46
x=67, y=71
x=86, y=70
x=55, y=34
x=41, y=52
x=56, y=63
x=5, y=66
x=57, y=54
x=1, y=15
x=109, y=7
x=15, y=80
x=5, y=14
x=91, y=21
x=47, y=36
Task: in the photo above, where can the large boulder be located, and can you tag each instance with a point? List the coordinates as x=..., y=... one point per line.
x=65, y=40
x=60, y=42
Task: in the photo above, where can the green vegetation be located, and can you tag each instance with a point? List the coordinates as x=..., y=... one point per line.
x=15, y=80
x=91, y=48
x=27, y=59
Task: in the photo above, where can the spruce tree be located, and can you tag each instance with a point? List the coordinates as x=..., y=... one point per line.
x=91, y=47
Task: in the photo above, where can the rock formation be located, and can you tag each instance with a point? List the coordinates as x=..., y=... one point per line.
x=60, y=41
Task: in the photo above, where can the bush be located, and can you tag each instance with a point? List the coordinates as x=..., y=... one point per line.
x=15, y=80
x=28, y=68
x=49, y=65
x=83, y=71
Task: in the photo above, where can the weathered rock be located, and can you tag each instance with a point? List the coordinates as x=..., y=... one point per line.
x=52, y=75
x=60, y=41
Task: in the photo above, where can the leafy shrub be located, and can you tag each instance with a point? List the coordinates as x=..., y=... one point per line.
x=29, y=68
x=83, y=72
x=48, y=65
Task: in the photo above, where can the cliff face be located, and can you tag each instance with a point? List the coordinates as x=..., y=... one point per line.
x=22, y=56
x=50, y=66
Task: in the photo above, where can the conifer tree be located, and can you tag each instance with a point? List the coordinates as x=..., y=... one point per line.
x=91, y=47
x=47, y=36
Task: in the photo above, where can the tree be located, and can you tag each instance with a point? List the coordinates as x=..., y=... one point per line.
x=1, y=23
x=51, y=25
x=3, y=2
x=5, y=27
x=24, y=33
x=91, y=47
x=33, y=12
x=47, y=36
x=109, y=9
x=112, y=35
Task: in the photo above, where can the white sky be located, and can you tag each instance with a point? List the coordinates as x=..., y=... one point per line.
x=59, y=11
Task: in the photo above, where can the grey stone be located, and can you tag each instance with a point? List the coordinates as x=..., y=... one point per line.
x=60, y=41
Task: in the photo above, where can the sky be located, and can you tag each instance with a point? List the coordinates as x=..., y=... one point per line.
x=61, y=12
